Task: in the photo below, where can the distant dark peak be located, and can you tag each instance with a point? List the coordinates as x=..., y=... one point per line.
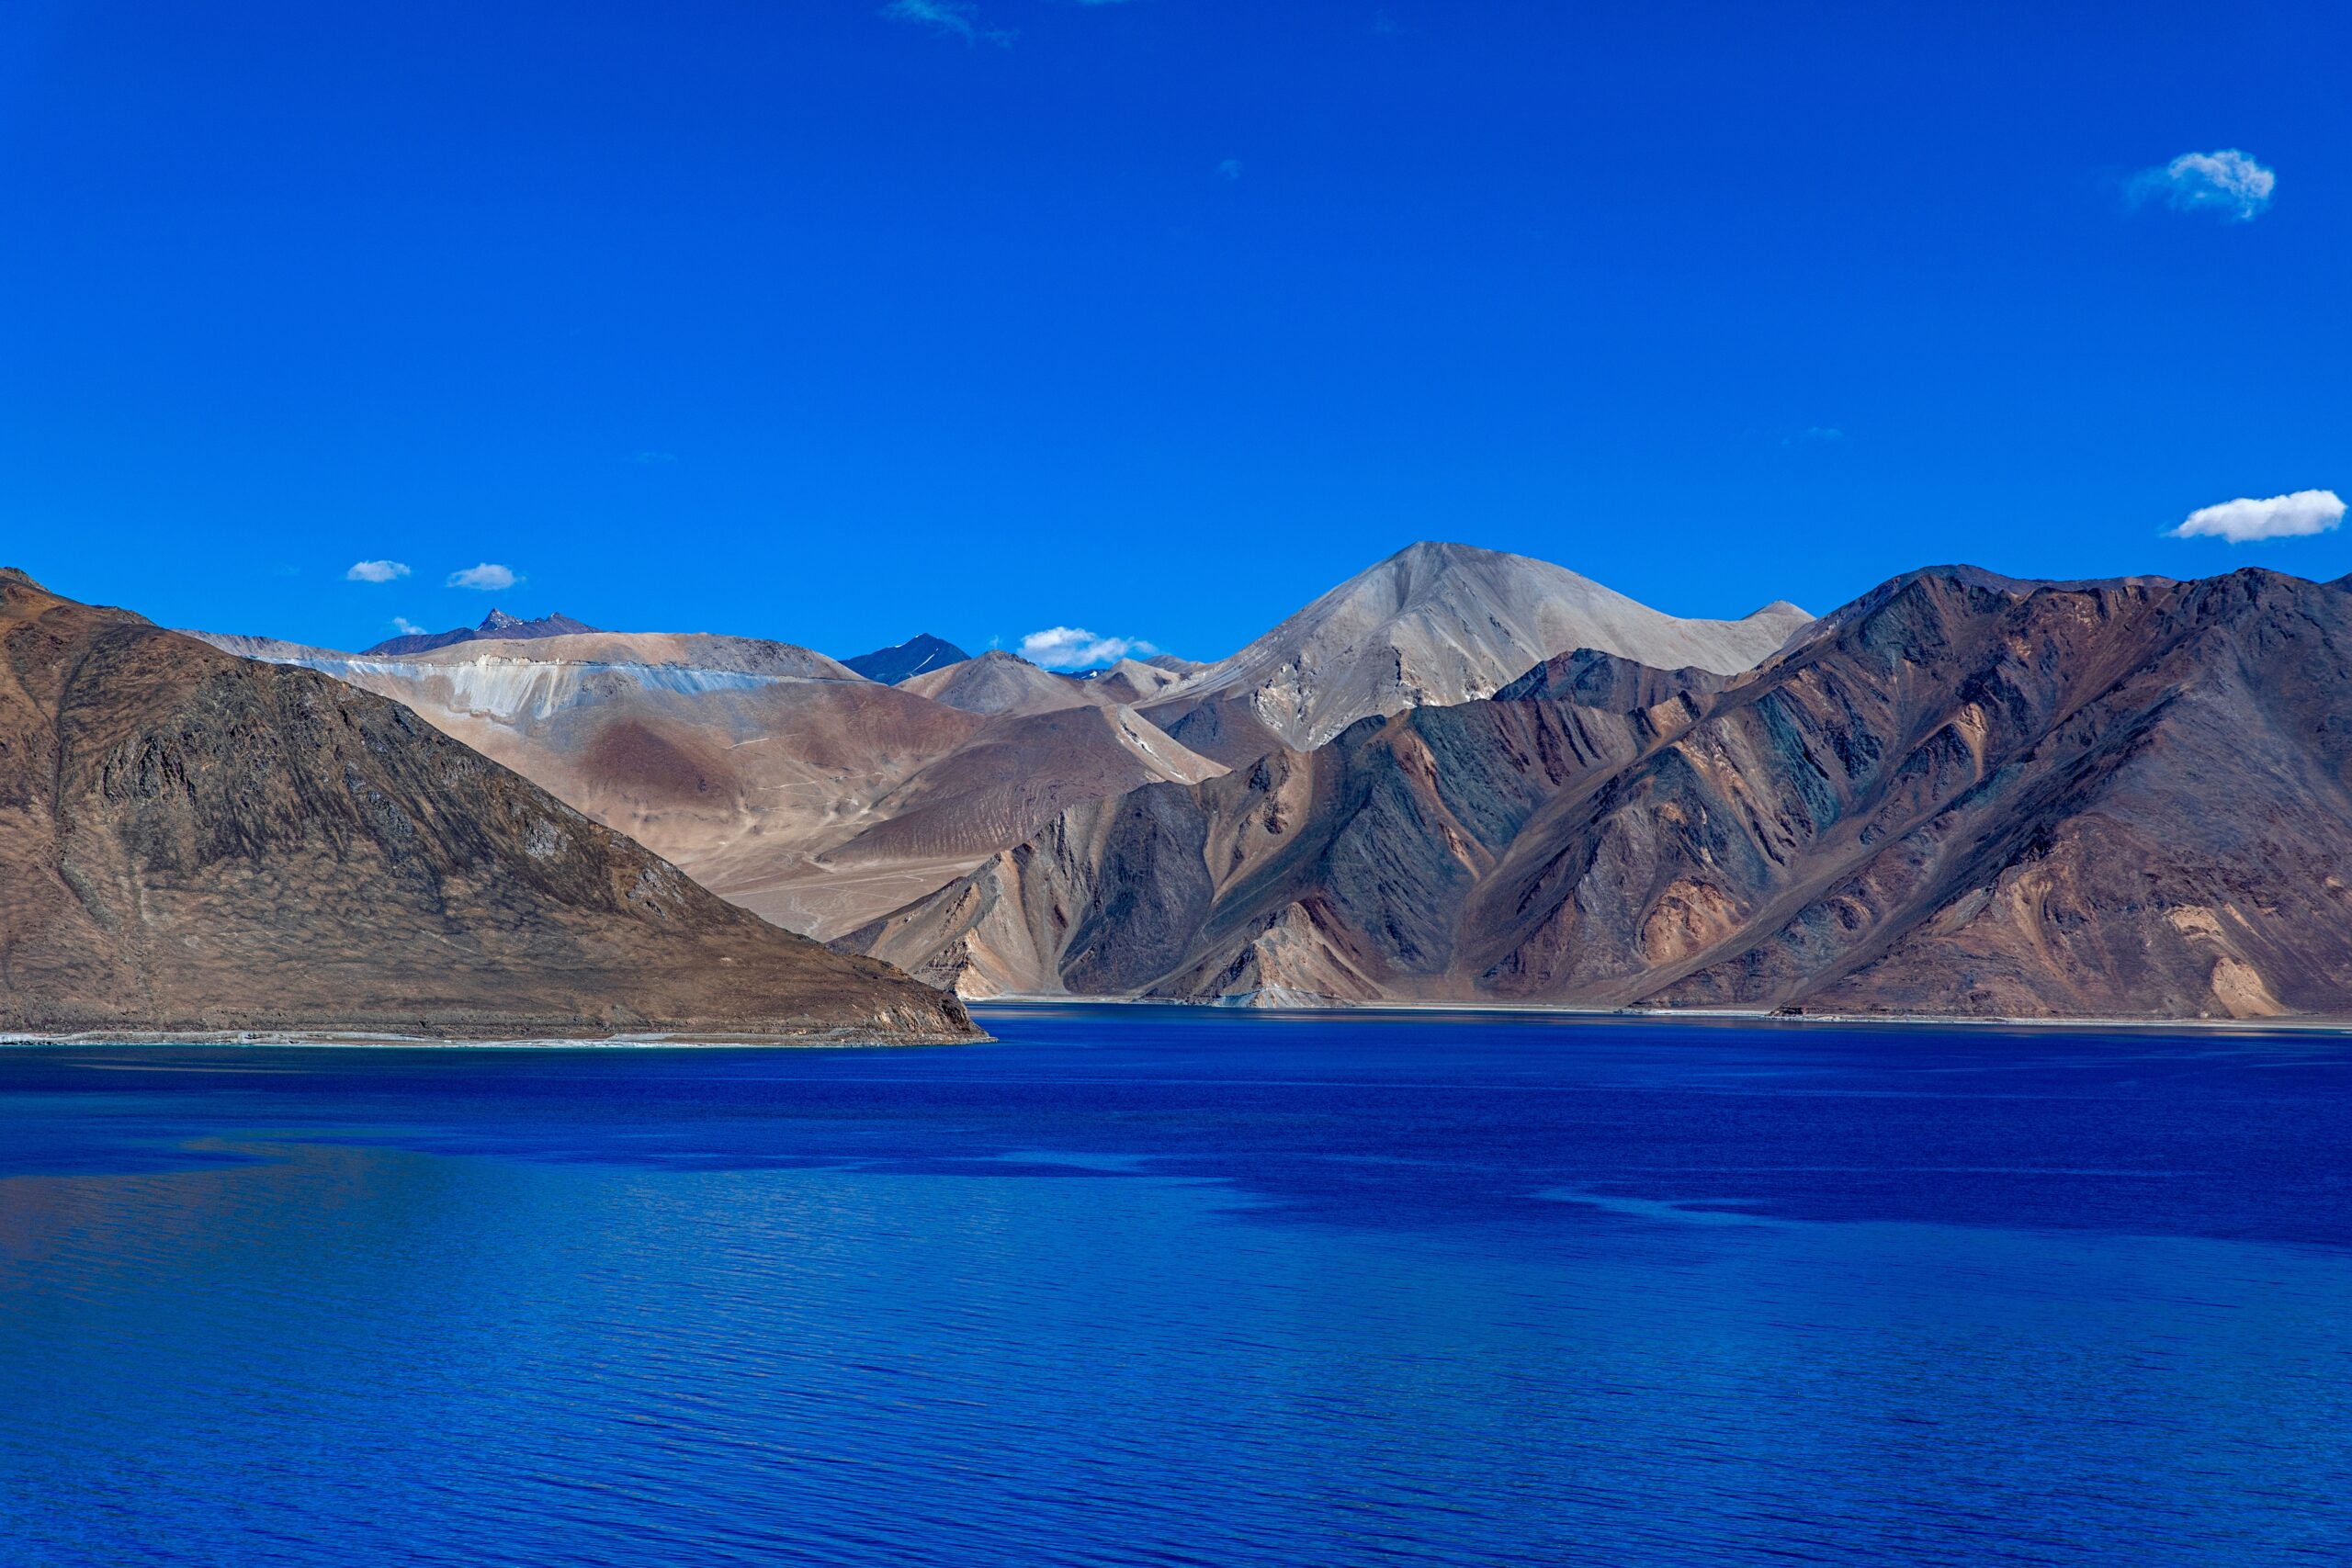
x=554, y=624
x=1586, y=677
x=916, y=656
x=495, y=626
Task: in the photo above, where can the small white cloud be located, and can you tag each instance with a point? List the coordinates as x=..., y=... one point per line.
x=488, y=577
x=375, y=571
x=1075, y=648
x=1814, y=435
x=955, y=18
x=405, y=626
x=2277, y=517
x=1231, y=169
x=2227, y=184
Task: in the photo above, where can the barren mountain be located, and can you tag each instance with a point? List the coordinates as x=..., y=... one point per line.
x=1959, y=795
x=997, y=683
x=773, y=775
x=1132, y=681
x=1435, y=624
x=915, y=655
x=495, y=626
x=191, y=842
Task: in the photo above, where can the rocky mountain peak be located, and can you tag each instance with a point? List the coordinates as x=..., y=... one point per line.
x=1439, y=623
x=496, y=625
x=919, y=655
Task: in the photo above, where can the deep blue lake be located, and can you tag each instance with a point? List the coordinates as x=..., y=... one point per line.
x=1165, y=1286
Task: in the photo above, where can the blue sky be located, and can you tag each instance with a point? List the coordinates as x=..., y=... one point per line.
x=837, y=322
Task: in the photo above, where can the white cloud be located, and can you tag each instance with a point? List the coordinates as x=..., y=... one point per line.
x=2227, y=184
x=375, y=571
x=955, y=18
x=488, y=577
x=1075, y=648
x=2277, y=517
x=405, y=626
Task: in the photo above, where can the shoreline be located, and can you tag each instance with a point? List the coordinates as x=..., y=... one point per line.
x=369, y=1039
x=379, y=1040
x=2293, y=1025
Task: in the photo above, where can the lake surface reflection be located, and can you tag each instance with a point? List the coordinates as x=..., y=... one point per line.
x=1160, y=1286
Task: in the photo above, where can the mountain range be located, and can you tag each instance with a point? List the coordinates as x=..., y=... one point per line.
x=1468, y=777
x=193, y=842
x=1434, y=625
x=770, y=773
x=1959, y=795
x=496, y=625
x=782, y=780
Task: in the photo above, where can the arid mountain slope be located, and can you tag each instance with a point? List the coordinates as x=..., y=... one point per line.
x=194, y=841
x=1958, y=796
x=1132, y=681
x=997, y=683
x=772, y=774
x=1436, y=625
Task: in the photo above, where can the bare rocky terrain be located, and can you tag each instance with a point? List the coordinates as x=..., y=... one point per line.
x=1433, y=626
x=775, y=775
x=999, y=682
x=1959, y=795
x=197, y=842
x=782, y=780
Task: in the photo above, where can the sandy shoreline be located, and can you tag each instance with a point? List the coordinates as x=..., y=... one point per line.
x=379, y=1040
x=370, y=1040
x=2292, y=1025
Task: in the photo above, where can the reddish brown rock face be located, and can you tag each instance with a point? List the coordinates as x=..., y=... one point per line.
x=191, y=842
x=1958, y=796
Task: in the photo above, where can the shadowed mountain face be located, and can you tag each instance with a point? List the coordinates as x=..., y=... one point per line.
x=194, y=841
x=1436, y=625
x=496, y=625
x=1960, y=795
x=916, y=656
